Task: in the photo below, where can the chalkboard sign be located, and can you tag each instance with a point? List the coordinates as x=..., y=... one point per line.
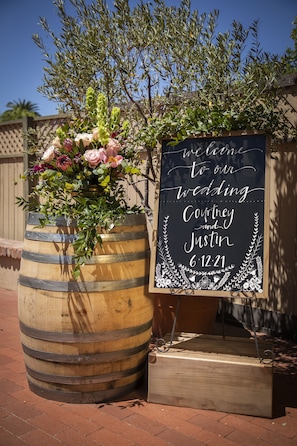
x=211, y=230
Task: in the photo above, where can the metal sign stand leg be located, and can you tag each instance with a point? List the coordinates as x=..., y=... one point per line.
x=251, y=322
x=175, y=319
x=253, y=326
x=223, y=317
x=161, y=344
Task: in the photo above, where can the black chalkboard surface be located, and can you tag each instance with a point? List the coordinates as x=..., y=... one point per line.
x=211, y=217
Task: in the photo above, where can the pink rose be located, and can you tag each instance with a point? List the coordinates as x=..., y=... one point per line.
x=113, y=147
x=49, y=154
x=95, y=156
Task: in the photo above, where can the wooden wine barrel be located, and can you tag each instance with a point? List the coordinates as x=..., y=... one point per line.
x=85, y=340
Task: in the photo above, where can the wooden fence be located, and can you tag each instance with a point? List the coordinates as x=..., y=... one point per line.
x=11, y=167
x=13, y=163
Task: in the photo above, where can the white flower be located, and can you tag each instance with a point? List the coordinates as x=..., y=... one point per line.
x=86, y=138
x=113, y=147
x=49, y=154
x=56, y=142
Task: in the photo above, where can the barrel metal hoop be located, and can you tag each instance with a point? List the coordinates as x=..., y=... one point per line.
x=70, y=238
x=72, y=286
x=85, y=338
x=69, y=260
x=84, y=397
x=83, y=380
x=85, y=358
x=38, y=236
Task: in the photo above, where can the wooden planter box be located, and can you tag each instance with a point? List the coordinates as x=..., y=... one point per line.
x=213, y=373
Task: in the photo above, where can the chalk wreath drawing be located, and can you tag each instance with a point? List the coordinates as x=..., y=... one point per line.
x=248, y=277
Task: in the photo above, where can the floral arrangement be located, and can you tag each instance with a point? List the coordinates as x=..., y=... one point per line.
x=80, y=175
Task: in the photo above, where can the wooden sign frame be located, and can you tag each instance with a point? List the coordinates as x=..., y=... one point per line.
x=211, y=217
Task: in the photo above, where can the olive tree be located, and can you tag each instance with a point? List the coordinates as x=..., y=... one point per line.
x=168, y=66
x=290, y=56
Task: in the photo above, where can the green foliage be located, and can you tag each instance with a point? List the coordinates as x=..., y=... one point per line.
x=290, y=57
x=18, y=110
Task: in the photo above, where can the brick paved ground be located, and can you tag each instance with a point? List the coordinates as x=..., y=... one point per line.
x=26, y=419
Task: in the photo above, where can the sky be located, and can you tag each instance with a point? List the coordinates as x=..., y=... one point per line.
x=21, y=69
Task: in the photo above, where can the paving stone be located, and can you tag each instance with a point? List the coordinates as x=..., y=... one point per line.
x=29, y=420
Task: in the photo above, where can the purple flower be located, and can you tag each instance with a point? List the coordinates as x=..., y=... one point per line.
x=39, y=168
x=77, y=158
x=68, y=144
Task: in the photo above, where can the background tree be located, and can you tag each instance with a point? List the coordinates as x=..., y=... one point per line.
x=168, y=66
x=290, y=57
x=18, y=109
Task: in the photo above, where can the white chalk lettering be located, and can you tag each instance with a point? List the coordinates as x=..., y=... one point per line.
x=209, y=213
x=222, y=190
x=207, y=240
